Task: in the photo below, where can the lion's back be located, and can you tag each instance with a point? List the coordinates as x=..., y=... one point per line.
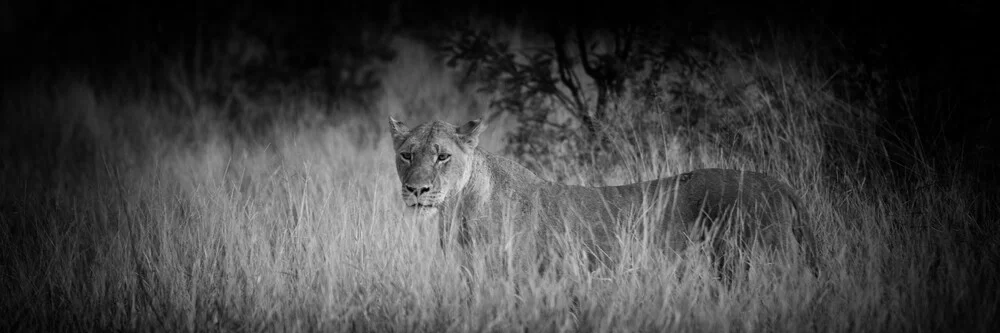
x=684, y=202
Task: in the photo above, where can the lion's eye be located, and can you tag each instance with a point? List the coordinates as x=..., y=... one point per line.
x=443, y=157
x=405, y=156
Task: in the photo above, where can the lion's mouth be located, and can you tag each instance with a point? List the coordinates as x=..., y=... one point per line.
x=420, y=205
x=428, y=201
x=422, y=209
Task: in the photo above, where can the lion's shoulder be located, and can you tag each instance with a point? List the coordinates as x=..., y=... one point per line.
x=504, y=171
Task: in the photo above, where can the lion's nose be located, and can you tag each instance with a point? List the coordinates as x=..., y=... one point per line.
x=418, y=190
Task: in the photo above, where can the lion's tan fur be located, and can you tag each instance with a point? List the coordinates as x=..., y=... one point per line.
x=692, y=205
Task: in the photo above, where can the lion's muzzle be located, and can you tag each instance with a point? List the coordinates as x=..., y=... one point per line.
x=421, y=195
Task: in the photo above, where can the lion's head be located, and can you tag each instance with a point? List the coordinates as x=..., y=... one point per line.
x=433, y=160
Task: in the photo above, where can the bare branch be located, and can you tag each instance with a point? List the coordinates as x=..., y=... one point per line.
x=566, y=74
x=581, y=43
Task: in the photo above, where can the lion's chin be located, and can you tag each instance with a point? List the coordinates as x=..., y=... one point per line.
x=422, y=209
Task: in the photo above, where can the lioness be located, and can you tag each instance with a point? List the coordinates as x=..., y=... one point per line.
x=443, y=172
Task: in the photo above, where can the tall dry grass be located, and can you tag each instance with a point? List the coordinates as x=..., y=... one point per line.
x=122, y=214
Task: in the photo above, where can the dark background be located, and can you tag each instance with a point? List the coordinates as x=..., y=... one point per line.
x=941, y=52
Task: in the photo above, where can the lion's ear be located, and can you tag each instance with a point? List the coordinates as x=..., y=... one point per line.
x=398, y=130
x=469, y=133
